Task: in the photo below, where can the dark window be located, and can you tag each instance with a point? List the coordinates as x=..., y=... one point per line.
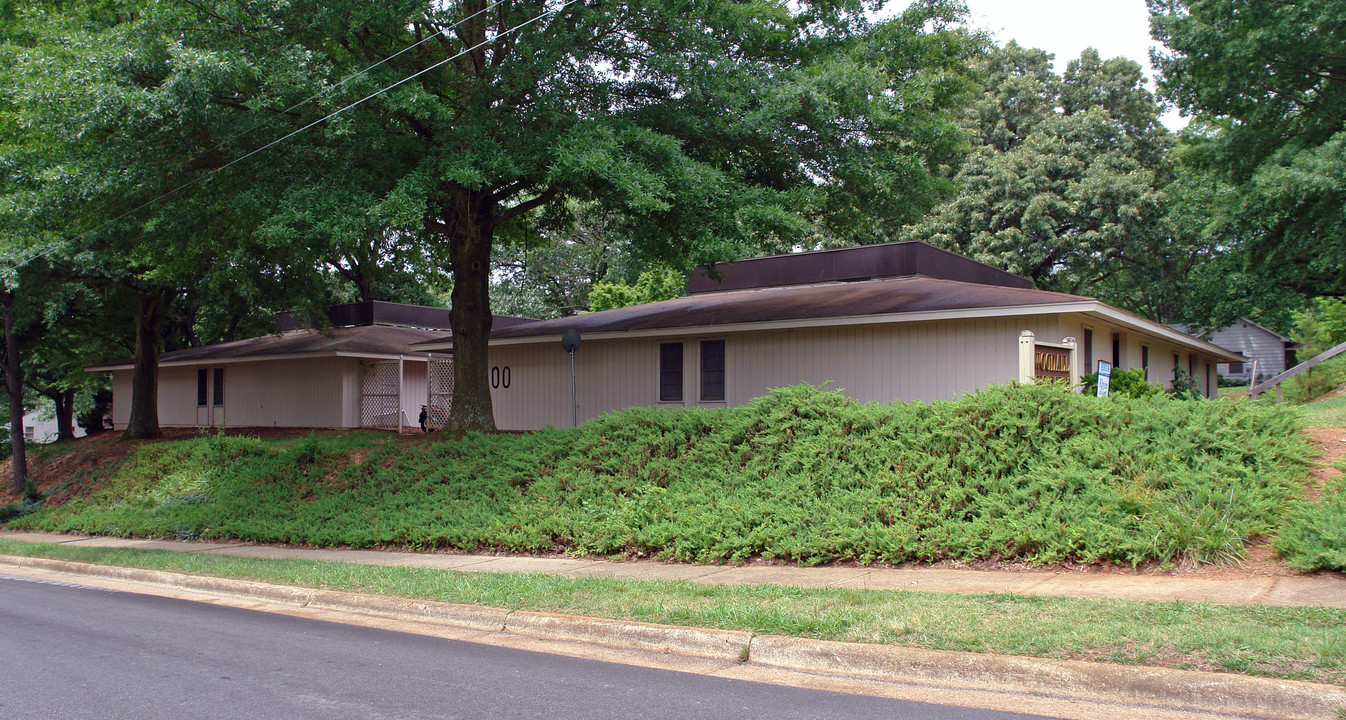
x=219, y=387
x=1089, y=350
x=1145, y=361
x=670, y=372
x=712, y=370
x=1117, y=351
x=202, y=378
x=1191, y=366
x=1235, y=368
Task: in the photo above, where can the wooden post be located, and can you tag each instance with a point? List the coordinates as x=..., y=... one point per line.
x=1069, y=342
x=1027, y=345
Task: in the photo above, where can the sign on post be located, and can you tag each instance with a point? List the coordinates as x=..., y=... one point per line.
x=1050, y=361
x=1104, y=377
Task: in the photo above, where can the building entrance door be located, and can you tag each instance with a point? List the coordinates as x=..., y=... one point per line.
x=210, y=397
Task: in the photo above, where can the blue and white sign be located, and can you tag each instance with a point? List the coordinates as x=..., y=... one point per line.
x=1104, y=377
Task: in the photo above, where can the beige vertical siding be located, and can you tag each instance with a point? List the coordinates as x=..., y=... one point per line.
x=307, y=393
x=611, y=375
x=177, y=396
x=414, y=391
x=121, y=398
x=350, y=395
x=285, y=393
x=1161, y=352
x=911, y=361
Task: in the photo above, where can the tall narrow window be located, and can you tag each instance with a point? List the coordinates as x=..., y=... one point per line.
x=1089, y=351
x=202, y=387
x=1117, y=350
x=670, y=372
x=1145, y=361
x=712, y=370
x=219, y=387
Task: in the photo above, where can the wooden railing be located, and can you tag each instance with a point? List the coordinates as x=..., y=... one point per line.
x=1256, y=390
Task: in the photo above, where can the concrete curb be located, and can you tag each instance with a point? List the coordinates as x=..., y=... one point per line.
x=1171, y=689
x=1178, y=690
x=729, y=645
x=472, y=617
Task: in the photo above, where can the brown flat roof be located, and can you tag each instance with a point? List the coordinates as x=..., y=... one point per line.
x=832, y=300
x=850, y=264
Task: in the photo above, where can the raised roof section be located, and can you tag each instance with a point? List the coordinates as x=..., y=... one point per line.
x=866, y=262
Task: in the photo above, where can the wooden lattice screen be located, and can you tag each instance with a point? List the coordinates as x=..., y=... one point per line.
x=440, y=391
x=380, y=395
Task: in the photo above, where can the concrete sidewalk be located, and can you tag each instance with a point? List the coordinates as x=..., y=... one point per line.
x=1308, y=590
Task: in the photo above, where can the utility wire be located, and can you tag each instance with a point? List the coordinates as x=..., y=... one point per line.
x=347, y=79
x=376, y=93
x=319, y=121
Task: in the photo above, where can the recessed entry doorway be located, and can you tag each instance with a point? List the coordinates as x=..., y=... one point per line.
x=210, y=397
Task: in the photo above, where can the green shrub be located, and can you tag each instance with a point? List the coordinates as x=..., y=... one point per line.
x=18, y=509
x=1036, y=473
x=1318, y=328
x=1123, y=383
x=1314, y=537
x=1317, y=381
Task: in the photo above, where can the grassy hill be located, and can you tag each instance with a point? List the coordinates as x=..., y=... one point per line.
x=1027, y=473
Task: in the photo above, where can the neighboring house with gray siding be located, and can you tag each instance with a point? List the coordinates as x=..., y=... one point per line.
x=900, y=321
x=1272, y=351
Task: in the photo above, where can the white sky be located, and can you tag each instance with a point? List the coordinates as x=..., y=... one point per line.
x=1066, y=27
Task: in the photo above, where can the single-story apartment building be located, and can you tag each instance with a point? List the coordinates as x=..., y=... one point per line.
x=899, y=321
x=360, y=371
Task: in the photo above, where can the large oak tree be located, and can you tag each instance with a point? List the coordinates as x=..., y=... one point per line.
x=704, y=128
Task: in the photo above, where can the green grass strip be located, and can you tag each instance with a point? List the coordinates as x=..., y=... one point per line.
x=1297, y=643
x=1326, y=413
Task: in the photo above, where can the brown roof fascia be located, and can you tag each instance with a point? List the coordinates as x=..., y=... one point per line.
x=866, y=262
x=370, y=340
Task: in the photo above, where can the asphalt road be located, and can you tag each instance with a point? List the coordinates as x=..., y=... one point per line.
x=70, y=651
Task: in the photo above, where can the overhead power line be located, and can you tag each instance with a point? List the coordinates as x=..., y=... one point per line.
x=323, y=119
x=345, y=80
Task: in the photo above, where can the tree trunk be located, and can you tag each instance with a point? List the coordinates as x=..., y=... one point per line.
x=65, y=415
x=470, y=316
x=14, y=385
x=363, y=286
x=144, y=421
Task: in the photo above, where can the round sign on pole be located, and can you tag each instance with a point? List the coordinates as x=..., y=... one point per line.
x=571, y=341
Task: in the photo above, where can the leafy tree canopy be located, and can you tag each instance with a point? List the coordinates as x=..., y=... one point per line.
x=1266, y=84
x=704, y=128
x=652, y=286
x=1065, y=186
